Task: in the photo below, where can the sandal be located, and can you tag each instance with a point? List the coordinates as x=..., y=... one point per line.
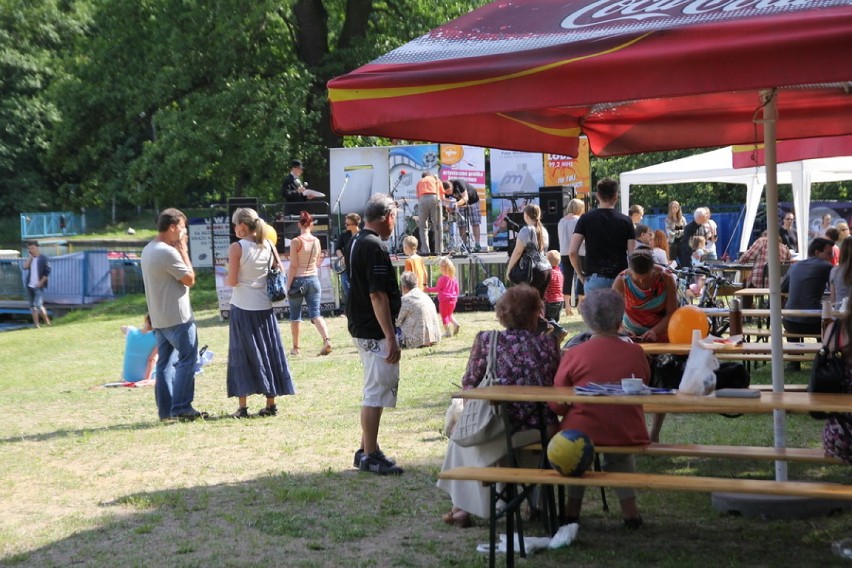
x=458, y=518
x=294, y=351
x=269, y=411
x=633, y=523
x=326, y=346
x=242, y=412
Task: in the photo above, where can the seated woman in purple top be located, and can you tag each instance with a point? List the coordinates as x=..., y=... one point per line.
x=524, y=357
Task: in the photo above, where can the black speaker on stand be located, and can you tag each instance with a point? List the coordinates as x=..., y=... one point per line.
x=552, y=200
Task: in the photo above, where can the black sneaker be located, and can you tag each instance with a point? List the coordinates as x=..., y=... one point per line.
x=380, y=465
x=359, y=453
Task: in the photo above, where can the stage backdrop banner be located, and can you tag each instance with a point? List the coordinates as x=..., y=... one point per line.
x=355, y=174
x=406, y=165
x=467, y=163
x=560, y=169
x=512, y=172
x=328, y=298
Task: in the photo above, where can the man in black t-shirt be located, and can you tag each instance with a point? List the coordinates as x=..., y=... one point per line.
x=609, y=236
x=374, y=303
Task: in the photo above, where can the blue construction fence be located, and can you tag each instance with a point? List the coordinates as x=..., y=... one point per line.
x=51, y=224
x=78, y=278
x=729, y=225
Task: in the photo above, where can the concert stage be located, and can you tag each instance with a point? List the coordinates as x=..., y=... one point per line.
x=471, y=269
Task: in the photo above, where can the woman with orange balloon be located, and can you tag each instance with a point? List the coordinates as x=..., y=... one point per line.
x=650, y=298
x=650, y=301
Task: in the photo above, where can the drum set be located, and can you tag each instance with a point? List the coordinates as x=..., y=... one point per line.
x=453, y=242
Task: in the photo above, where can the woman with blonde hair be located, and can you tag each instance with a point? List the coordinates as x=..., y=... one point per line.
x=305, y=258
x=256, y=360
x=570, y=284
x=535, y=233
x=675, y=224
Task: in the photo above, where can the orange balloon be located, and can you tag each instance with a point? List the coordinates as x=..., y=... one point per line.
x=684, y=321
x=270, y=234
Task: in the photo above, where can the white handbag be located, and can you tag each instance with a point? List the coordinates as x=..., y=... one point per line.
x=481, y=421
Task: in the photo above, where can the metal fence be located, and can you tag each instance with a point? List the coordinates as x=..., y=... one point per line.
x=79, y=278
x=52, y=224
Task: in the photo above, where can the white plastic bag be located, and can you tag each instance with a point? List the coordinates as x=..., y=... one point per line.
x=699, y=376
x=495, y=289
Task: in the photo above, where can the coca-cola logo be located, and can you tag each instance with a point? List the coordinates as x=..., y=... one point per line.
x=610, y=11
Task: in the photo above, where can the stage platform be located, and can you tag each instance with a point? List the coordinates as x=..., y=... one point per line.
x=471, y=269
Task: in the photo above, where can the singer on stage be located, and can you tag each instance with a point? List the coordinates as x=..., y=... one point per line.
x=293, y=190
x=429, y=190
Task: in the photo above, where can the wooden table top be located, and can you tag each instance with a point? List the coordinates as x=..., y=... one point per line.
x=743, y=348
x=754, y=292
x=765, y=313
x=796, y=402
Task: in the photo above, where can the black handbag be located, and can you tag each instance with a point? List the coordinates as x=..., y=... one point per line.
x=276, y=284
x=829, y=371
x=532, y=261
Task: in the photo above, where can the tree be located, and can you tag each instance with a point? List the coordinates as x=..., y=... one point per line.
x=186, y=101
x=32, y=33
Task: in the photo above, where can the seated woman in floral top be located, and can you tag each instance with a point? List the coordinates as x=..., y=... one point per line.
x=523, y=358
x=418, y=320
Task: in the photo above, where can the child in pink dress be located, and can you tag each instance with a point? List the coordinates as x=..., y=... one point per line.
x=447, y=288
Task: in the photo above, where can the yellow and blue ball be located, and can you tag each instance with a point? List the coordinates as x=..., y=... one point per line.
x=570, y=452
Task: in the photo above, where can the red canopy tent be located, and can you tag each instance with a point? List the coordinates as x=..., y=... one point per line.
x=633, y=75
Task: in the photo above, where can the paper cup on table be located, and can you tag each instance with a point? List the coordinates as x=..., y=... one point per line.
x=632, y=386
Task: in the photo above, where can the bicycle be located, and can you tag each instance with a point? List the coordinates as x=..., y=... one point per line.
x=708, y=297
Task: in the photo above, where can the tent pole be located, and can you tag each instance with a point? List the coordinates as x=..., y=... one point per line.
x=770, y=115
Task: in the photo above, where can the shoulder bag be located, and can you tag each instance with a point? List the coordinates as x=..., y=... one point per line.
x=298, y=292
x=532, y=261
x=829, y=370
x=276, y=284
x=481, y=421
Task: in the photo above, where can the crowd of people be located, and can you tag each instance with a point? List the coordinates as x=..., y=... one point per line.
x=610, y=267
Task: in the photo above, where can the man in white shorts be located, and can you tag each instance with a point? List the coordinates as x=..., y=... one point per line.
x=374, y=302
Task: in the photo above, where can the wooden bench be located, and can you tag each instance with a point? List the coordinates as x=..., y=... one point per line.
x=765, y=332
x=514, y=477
x=530, y=476
x=813, y=455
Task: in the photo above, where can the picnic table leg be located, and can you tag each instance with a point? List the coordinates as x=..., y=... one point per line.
x=511, y=496
x=492, y=527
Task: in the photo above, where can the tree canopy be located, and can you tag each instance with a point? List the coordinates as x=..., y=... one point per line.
x=188, y=102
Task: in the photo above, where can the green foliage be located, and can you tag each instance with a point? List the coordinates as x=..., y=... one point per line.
x=184, y=102
x=33, y=34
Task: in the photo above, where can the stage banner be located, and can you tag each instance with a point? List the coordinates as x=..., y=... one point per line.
x=406, y=165
x=512, y=173
x=354, y=174
x=329, y=302
x=467, y=163
x=565, y=170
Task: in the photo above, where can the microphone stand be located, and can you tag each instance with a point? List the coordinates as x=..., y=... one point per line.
x=396, y=244
x=337, y=206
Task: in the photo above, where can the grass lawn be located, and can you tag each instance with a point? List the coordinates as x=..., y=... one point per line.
x=91, y=477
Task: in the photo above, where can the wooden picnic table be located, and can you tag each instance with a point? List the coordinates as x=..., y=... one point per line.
x=506, y=499
x=795, y=402
x=731, y=351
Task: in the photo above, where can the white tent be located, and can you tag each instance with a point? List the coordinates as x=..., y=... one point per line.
x=718, y=166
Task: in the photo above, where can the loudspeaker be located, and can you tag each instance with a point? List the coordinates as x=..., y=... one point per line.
x=552, y=200
x=235, y=203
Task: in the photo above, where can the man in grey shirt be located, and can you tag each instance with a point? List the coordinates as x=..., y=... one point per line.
x=168, y=276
